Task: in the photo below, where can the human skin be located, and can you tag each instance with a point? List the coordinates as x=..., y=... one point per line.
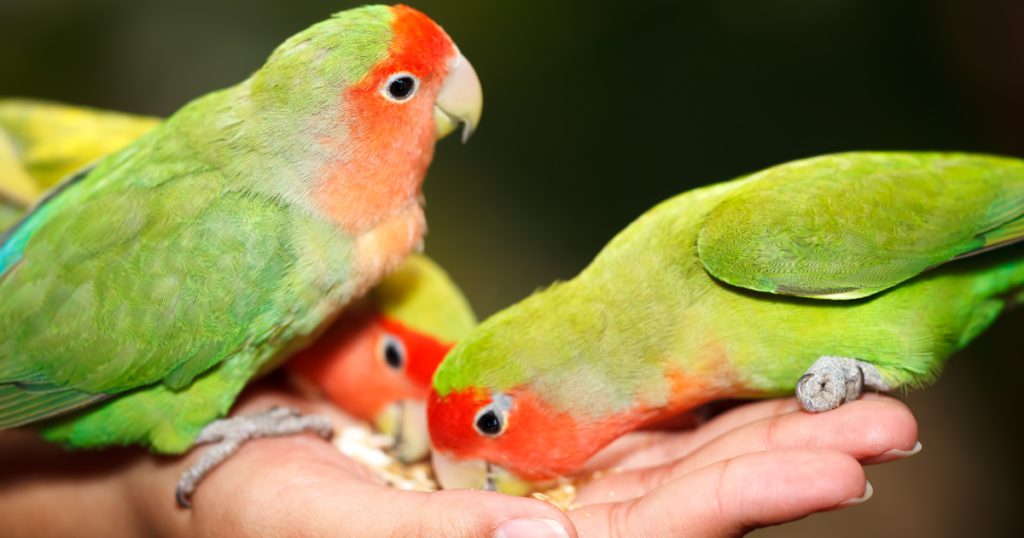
x=761, y=464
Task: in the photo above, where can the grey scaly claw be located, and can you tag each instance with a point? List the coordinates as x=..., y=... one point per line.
x=229, y=434
x=833, y=381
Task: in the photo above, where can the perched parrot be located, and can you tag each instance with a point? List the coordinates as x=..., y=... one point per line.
x=823, y=275
x=377, y=360
x=42, y=142
x=145, y=292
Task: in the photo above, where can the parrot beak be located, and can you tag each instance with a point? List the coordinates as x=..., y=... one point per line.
x=461, y=100
x=406, y=421
x=477, y=474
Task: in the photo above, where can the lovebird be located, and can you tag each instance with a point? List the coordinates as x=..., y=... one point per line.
x=376, y=361
x=42, y=142
x=139, y=296
x=821, y=275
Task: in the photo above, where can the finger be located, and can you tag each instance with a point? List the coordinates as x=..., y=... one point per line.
x=863, y=429
x=646, y=448
x=732, y=497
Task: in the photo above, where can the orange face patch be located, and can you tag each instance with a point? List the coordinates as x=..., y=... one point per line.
x=388, y=146
x=541, y=443
x=424, y=354
x=538, y=443
x=346, y=363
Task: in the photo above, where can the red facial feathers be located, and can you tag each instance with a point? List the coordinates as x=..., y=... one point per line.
x=385, y=152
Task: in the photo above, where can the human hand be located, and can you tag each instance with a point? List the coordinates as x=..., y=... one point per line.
x=761, y=464
x=288, y=486
x=757, y=465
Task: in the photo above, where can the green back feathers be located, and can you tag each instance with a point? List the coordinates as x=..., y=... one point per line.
x=850, y=225
x=423, y=297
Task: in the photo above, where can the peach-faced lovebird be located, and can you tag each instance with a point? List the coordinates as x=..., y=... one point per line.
x=823, y=275
x=377, y=360
x=145, y=292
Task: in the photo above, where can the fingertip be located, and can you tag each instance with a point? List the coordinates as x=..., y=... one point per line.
x=892, y=429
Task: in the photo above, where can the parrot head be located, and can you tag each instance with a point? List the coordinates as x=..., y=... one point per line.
x=376, y=361
x=511, y=403
x=352, y=107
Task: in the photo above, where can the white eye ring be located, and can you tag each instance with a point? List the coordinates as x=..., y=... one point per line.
x=392, y=352
x=492, y=419
x=400, y=87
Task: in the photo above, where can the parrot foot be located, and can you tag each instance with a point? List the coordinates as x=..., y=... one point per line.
x=833, y=381
x=229, y=434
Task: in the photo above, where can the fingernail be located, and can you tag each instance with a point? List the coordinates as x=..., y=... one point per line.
x=528, y=528
x=892, y=455
x=903, y=453
x=868, y=490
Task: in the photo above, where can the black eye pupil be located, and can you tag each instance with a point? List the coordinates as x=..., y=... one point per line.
x=392, y=355
x=488, y=423
x=401, y=87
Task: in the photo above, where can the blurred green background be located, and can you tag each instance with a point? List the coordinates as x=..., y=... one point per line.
x=597, y=111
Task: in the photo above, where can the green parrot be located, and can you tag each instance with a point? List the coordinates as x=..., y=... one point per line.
x=374, y=362
x=823, y=275
x=139, y=296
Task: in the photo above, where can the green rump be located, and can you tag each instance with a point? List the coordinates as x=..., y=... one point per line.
x=145, y=293
x=722, y=288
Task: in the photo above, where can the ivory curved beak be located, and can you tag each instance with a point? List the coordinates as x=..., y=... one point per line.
x=476, y=474
x=406, y=421
x=461, y=100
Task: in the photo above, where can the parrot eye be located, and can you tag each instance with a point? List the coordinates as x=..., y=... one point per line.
x=492, y=419
x=400, y=87
x=392, y=351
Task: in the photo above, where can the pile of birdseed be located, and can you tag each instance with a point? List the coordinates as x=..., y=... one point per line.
x=371, y=450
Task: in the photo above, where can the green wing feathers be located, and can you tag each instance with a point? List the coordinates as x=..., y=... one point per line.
x=850, y=225
x=136, y=283
x=19, y=405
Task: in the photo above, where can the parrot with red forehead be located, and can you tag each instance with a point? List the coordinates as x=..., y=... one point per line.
x=139, y=296
x=824, y=275
x=376, y=361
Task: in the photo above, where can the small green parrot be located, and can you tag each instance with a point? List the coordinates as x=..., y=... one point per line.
x=822, y=275
x=374, y=362
x=139, y=296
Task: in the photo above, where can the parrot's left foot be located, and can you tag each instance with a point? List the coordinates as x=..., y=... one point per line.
x=833, y=381
x=231, y=433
